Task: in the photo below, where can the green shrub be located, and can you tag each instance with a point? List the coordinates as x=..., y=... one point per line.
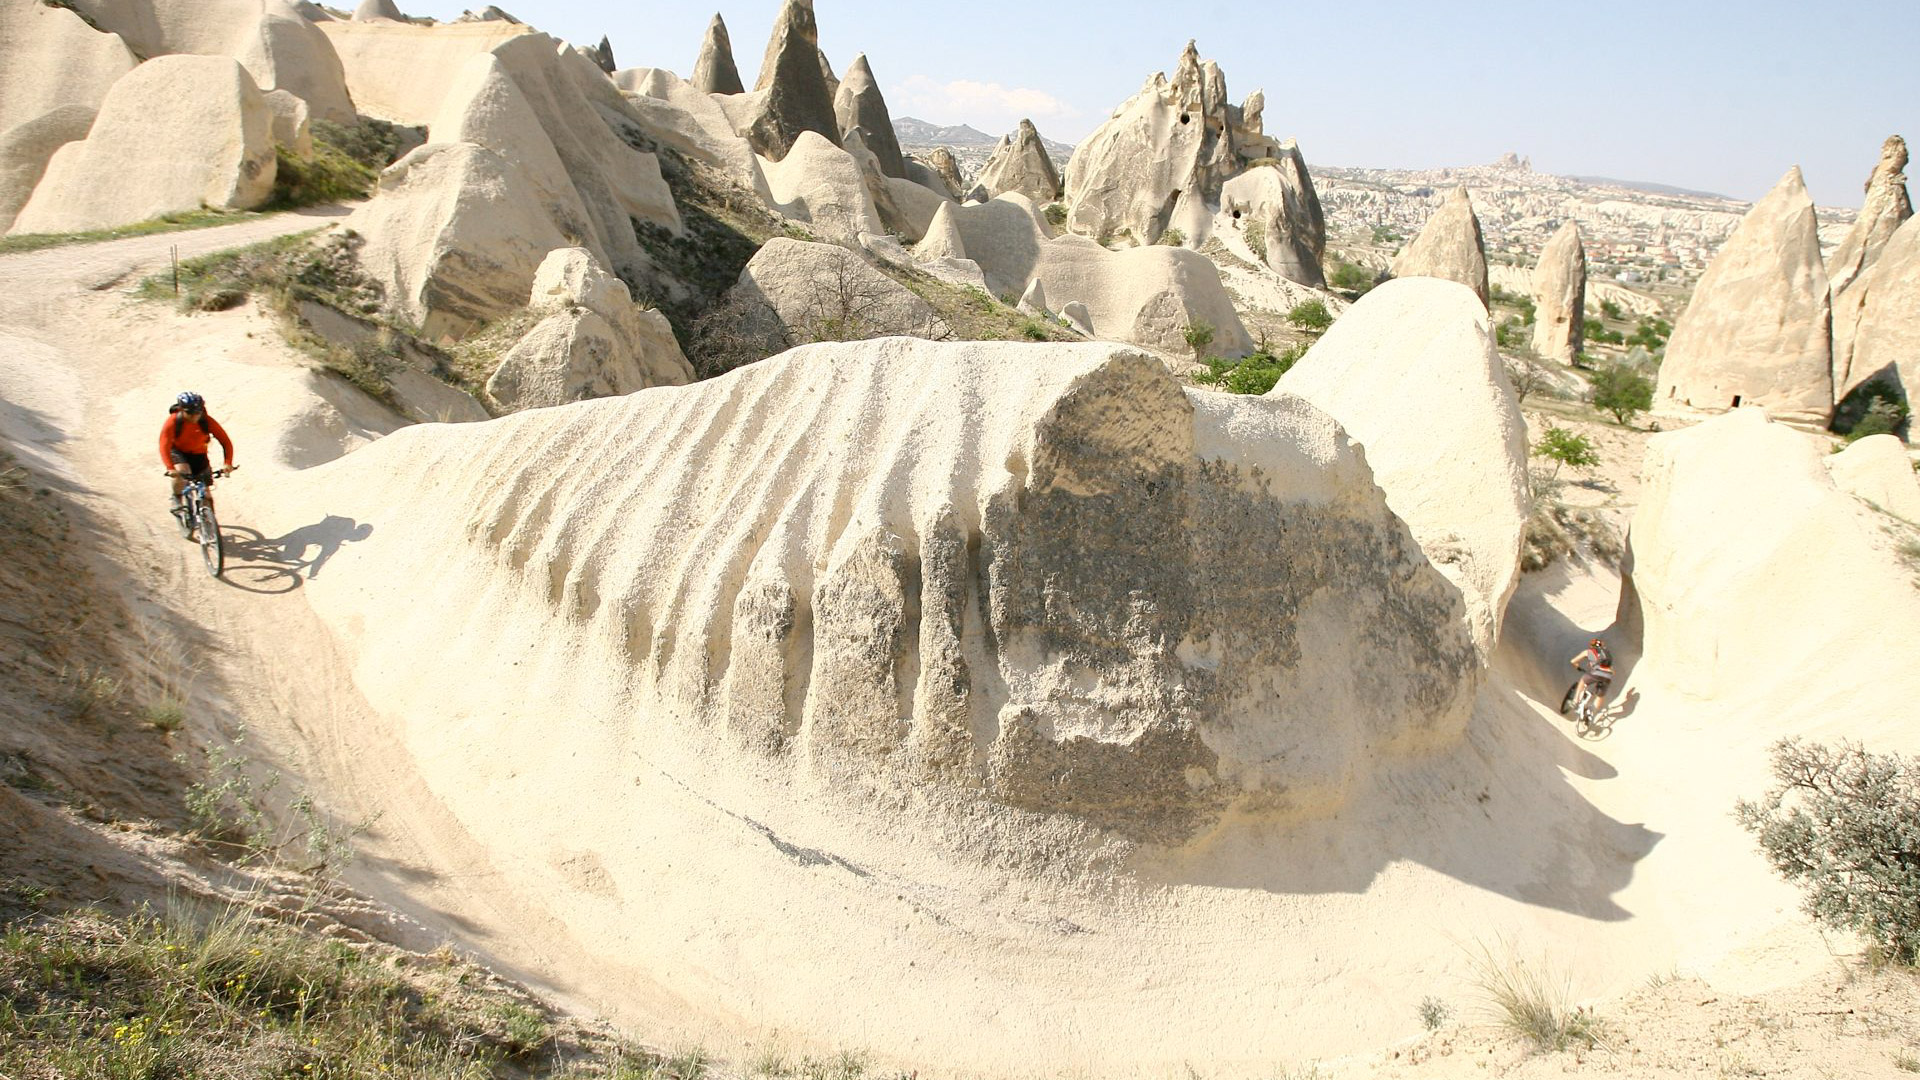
x=328, y=177
x=1172, y=237
x=1622, y=391
x=1198, y=336
x=1350, y=278
x=1596, y=332
x=1033, y=331
x=372, y=143
x=1254, y=374
x=1563, y=447
x=1873, y=408
x=1845, y=825
x=1256, y=236
x=1310, y=315
x=1056, y=214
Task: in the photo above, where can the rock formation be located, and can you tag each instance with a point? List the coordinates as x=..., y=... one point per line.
x=941, y=160
x=1173, y=140
x=1878, y=470
x=1876, y=322
x=1412, y=374
x=377, y=9
x=714, y=71
x=490, y=13
x=602, y=55
x=1280, y=202
x=522, y=161
x=1019, y=162
x=1887, y=207
x=1077, y=317
x=798, y=292
x=858, y=106
x=176, y=133
x=593, y=342
x=820, y=184
x=1757, y=331
x=54, y=59
x=1030, y=595
x=1034, y=300
x=26, y=148
x=892, y=218
x=943, y=239
x=793, y=92
x=400, y=72
x=1449, y=246
x=1747, y=568
x=1560, y=296
x=292, y=127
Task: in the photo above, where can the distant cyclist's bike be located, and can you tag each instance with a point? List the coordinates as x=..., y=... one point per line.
x=197, y=523
x=1584, y=706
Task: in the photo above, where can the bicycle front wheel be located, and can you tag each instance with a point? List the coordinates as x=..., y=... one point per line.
x=211, y=549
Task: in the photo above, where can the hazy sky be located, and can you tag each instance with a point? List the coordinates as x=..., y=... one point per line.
x=1719, y=96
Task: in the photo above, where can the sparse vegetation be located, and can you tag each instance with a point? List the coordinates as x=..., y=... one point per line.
x=1555, y=530
x=1033, y=330
x=1056, y=214
x=329, y=176
x=1434, y=1013
x=165, y=223
x=1255, y=235
x=1845, y=824
x=1256, y=373
x=1526, y=376
x=1622, y=391
x=1171, y=237
x=1595, y=332
x=1198, y=336
x=1563, y=447
x=1875, y=407
x=1310, y=315
x=1531, y=1001
x=1350, y=279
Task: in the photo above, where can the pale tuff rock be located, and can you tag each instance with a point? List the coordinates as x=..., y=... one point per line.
x=1878, y=470
x=400, y=72
x=1280, y=199
x=490, y=13
x=798, y=292
x=944, y=165
x=1034, y=594
x=26, y=148
x=819, y=183
x=943, y=237
x=1412, y=374
x=858, y=106
x=1019, y=163
x=377, y=9
x=1877, y=320
x=1887, y=207
x=1757, y=331
x=176, y=133
x=311, y=11
x=53, y=59
x=1747, y=569
x=1449, y=247
x=792, y=93
x=594, y=341
x=291, y=123
x=1077, y=317
x=690, y=122
x=1560, y=296
x=602, y=55
x=1172, y=140
x=1034, y=300
x=878, y=184
x=537, y=168
x=919, y=172
x=917, y=206
x=713, y=70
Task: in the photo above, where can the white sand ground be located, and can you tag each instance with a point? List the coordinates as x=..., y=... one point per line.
x=532, y=811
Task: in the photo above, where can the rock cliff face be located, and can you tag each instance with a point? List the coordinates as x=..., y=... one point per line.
x=593, y=342
x=1280, y=202
x=859, y=106
x=53, y=59
x=1019, y=163
x=1758, y=330
x=793, y=93
x=26, y=148
x=1876, y=322
x=1412, y=374
x=1886, y=208
x=176, y=133
x=714, y=71
x=798, y=292
x=1449, y=247
x=1560, y=296
x=1045, y=577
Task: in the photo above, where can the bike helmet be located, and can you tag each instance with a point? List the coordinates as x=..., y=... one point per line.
x=1597, y=644
x=192, y=401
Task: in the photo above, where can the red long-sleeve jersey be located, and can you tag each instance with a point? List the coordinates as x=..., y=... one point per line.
x=187, y=437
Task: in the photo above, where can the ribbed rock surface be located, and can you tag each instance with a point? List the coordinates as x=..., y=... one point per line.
x=1886, y=208
x=1039, y=576
x=1757, y=331
x=1560, y=296
x=859, y=106
x=1281, y=199
x=1412, y=374
x=1019, y=163
x=177, y=133
x=713, y=70
x=26, y=148
x=400, y=72
x=1876, y=322
x=794, y=94
x=1449, y=247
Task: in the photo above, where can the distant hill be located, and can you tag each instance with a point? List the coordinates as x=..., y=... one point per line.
x=1651, y=188
x=912, y=133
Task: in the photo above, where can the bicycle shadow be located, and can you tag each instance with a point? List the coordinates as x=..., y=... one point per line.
x=261, y=564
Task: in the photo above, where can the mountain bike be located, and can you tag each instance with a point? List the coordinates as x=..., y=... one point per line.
x=197, y=523
x=1584, y=706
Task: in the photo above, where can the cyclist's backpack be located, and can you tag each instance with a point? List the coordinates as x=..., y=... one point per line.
x=181, y=421
x=1602, y=659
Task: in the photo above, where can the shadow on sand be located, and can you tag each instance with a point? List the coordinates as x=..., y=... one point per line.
x=280, y=564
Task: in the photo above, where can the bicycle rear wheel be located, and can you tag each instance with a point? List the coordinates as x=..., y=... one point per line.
x=211, y=548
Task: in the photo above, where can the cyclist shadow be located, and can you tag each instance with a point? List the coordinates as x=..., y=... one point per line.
x=279, y=564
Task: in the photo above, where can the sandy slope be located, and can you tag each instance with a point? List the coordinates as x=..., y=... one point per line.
x=531, y=811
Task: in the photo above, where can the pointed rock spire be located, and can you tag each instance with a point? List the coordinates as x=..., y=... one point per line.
x=1887, y=207
x=941, y=160
x=858, y=106
x=377, y=9
x=1560, y=296
x=793, y=79
x=1757, y=331
x=1020, y=163
x=602, y=54
x=714, y=71
x=1449, y=246
x=943, y=237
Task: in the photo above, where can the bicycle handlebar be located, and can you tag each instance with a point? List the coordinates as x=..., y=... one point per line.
x=226, y=470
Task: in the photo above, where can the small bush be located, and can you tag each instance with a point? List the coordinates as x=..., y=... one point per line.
x=1845, y=825
x=1256, y=236
x=1257, y=373
x=1198, y=336
x=1033, y=331
x=1531, y=1001
x=1056, y=214
x=1172, y=238
x=374, y=144
x=1352, y=279
x=1875, y=407
x=1563, y=447
x=1310, y=315
x=1434, y=1013
x=328, y=177
x=1622, y=391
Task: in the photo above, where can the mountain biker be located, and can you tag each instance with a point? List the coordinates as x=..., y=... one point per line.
x=1598, y=672
x=184, y=444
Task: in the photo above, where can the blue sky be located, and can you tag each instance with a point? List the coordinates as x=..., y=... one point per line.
x=1716, y=96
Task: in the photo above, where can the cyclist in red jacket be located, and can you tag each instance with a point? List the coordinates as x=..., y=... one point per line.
x=184, y=444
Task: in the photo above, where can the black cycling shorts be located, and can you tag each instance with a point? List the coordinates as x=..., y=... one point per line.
x=197, y=464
